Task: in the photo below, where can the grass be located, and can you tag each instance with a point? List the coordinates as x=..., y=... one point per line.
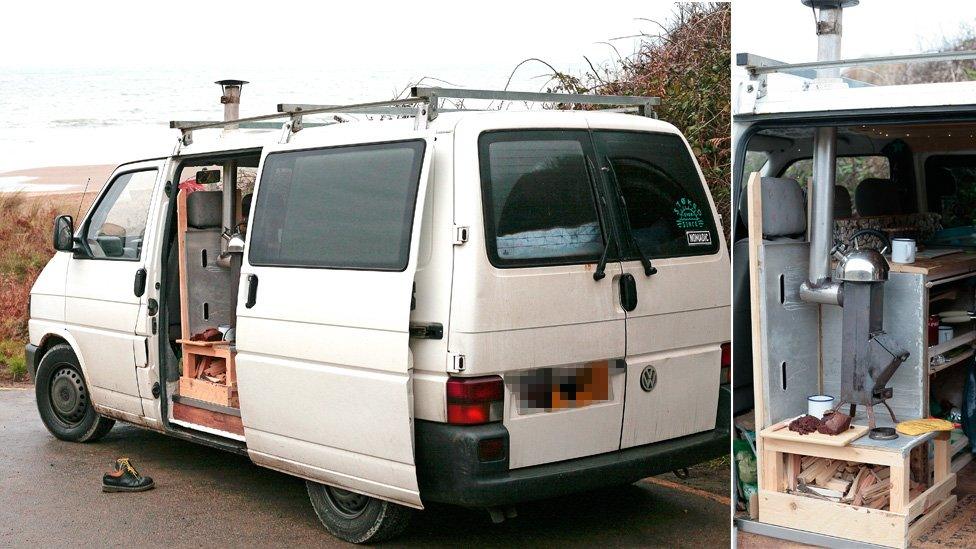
x=26, y=226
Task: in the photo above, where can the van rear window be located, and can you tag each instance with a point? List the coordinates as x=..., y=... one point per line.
x=666, y=206
x=538, y=198
x=345, y=207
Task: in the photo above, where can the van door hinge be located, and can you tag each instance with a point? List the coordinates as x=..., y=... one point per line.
x=460, y=234
x=457, y=365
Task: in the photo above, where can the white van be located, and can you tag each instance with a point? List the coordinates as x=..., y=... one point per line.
x=477, y=308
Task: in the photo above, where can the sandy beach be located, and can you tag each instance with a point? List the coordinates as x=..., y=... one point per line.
x=55, y=179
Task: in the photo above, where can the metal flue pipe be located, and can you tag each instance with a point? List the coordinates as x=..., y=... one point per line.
x=231, y=99
x=819, y=288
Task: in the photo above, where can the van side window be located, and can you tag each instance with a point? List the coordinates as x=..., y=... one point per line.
x=117, y=225
x=950, y=188
x=538, y=198
x=347, y=207
x=666, y=205
x=851, y=171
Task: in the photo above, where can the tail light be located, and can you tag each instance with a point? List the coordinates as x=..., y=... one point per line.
x=474, y=400
x=726, y=363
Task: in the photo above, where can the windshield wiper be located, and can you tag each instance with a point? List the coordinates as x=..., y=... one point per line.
x=645, y=261
x=603, y=216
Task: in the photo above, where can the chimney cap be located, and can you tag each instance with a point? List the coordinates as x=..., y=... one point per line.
x=231, y=82
x=830, y=4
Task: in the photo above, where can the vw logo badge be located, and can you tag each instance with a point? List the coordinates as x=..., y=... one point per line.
x=648, y=378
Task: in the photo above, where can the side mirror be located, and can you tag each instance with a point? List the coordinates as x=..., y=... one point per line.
x=64, y=232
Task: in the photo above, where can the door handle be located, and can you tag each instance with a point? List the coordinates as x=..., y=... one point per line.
x=628, y=292
x=139, y=286
x=252, y=290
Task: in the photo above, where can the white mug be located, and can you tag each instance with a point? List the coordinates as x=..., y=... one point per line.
x=903, y=250
x=817, y=405
x=945, y=333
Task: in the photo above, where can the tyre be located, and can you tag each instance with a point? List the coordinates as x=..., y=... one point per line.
x=357, y=518
x=63, y=399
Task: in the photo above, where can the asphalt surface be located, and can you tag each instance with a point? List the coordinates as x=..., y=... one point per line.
x=50, y=495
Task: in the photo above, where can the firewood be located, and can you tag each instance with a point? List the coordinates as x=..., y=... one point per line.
x=810, y=473
x=839, y=485
x=852, y=491
x=828, y=473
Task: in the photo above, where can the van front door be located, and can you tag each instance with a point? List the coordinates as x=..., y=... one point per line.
x=104, y=301
x=678, y=316
x=323, y=363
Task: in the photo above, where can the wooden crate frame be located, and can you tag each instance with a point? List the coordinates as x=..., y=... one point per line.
x=200, y=389
x=906, y=520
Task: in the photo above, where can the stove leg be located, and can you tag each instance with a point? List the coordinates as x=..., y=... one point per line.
x=890, y=411
x=871, y=422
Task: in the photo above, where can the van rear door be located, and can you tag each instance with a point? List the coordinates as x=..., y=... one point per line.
x=323, y=365
x=525, y=304
x=679, y=316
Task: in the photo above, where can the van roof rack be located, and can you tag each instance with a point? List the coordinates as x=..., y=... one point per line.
x=422, y=104
x=759, y=67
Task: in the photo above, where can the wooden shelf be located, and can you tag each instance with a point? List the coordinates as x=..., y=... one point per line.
x=945, y=266
x=957, y=341
x=934, y=369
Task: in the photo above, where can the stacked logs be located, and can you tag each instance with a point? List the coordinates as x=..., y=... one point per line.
x=848, y=482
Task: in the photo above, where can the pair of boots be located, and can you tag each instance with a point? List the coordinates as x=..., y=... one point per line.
x=125, y=478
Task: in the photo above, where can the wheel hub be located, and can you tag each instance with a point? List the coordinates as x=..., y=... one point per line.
x=69, y=399
x=347, y=503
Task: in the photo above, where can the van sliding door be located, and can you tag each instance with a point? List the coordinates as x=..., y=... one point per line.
x=323, y=364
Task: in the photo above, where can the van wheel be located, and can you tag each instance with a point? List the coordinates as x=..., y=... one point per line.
x=63, y=399
x=357, y=518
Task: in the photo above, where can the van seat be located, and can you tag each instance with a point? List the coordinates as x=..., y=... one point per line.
x=842, y=202
x=875, y=196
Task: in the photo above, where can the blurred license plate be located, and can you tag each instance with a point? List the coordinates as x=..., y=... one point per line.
x=551, y=389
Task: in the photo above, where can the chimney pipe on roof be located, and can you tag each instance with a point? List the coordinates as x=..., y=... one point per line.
x=819, y=288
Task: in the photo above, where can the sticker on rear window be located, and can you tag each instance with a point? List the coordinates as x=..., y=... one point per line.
x=689, y=215
x=699, y=238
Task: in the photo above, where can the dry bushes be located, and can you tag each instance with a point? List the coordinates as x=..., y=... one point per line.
x=25, y=247
x=687, y=63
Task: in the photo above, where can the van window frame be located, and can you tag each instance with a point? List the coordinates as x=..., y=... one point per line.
x=487, y=204
x=425, y=149
x=82, y=232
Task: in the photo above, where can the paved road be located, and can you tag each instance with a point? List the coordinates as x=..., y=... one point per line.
x=50, y=495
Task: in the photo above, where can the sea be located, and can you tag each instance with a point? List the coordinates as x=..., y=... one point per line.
x=85, y=116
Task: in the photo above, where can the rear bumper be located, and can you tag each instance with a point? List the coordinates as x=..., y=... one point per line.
x=30, y=359
x=449, y=470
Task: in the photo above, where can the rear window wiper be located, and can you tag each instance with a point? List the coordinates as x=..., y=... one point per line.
x=603, y=214
x=645, y=261
x=601, y=266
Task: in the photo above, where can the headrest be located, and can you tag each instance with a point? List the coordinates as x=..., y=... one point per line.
x=203, y=209
x=879, y=197
x=246, y=204
x=842, y=202
x=784, y=207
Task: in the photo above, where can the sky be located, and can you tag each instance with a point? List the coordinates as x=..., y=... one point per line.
x=784, y=29
x=112, y=33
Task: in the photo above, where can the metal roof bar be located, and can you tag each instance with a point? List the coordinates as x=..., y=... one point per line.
x=641, y=102
x=244, y=126
x=757, y=65
x=356, y=107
